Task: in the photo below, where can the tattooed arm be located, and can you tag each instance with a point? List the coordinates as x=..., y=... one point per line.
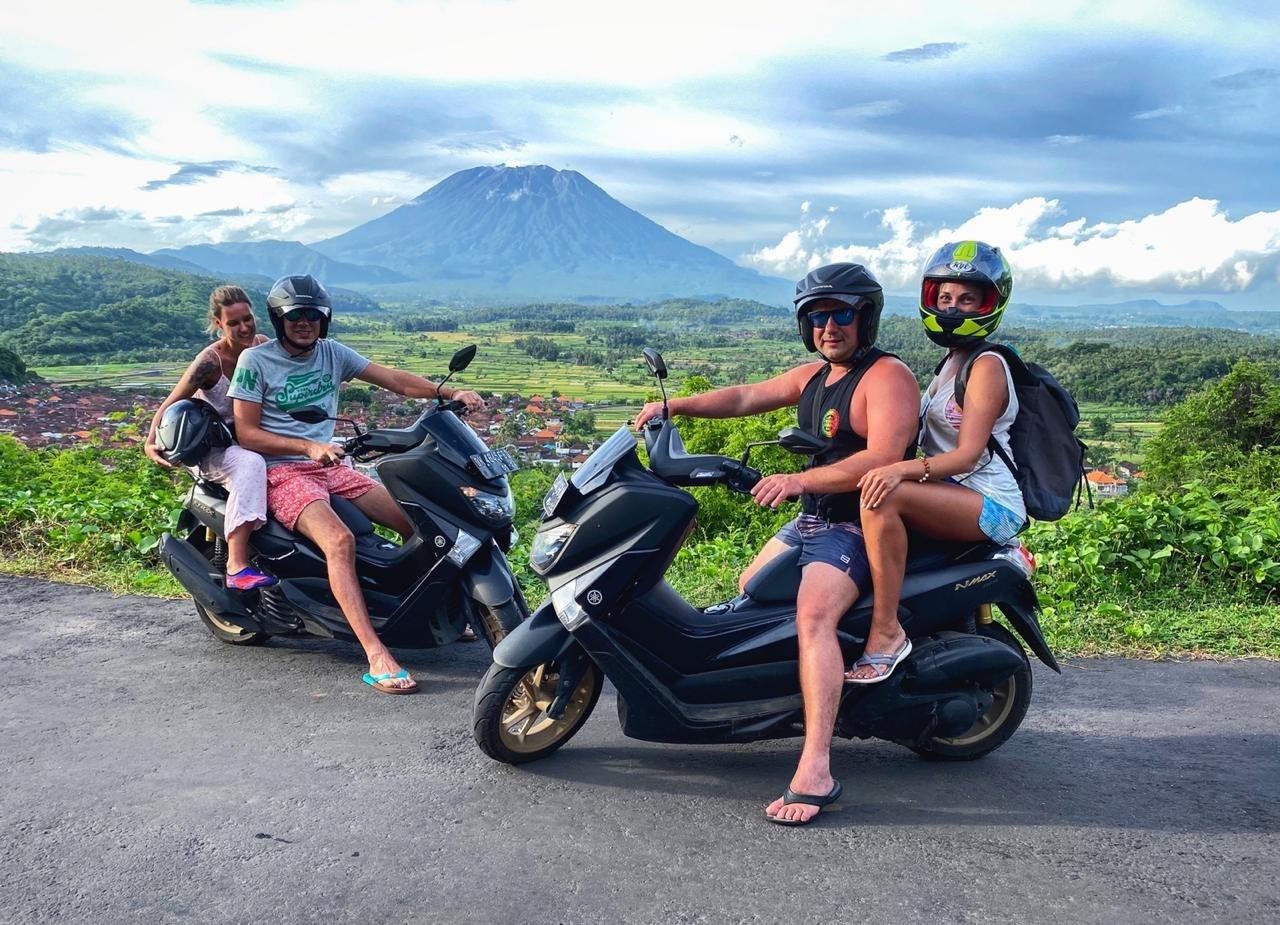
x=203, y=373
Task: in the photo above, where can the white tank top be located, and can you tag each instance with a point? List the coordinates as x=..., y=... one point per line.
x=940, y=419
x=216, y=394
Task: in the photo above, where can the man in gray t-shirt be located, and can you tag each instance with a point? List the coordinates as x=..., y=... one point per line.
x=270, y=376
x=303, y=368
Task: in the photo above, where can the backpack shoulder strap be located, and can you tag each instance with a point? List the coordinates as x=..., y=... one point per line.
x=1017, y=368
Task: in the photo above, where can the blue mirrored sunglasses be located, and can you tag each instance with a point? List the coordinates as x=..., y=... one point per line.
x=841, y=315
x=303, y=314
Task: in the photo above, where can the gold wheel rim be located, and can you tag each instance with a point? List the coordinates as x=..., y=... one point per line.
x=524, y=725
x=223, y=625
x=992, y=718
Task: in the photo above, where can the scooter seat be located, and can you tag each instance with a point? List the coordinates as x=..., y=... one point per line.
x=779, y=581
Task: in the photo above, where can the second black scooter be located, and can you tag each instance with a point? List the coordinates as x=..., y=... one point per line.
x=728, y=673
x=450, y=573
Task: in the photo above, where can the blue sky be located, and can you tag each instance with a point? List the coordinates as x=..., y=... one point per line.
x=1115, y=150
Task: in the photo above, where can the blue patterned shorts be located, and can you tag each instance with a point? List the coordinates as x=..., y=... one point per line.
x=838, y=544
x=998, y=522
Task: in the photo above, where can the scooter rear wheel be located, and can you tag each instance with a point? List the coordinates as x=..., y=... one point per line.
x=1009, y=703
x=228, y=632
x=511, y=720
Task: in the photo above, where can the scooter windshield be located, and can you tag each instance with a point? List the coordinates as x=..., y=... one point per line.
x=596, y=469
x=455, y=440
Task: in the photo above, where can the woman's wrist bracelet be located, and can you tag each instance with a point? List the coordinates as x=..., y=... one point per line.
x=925, y=477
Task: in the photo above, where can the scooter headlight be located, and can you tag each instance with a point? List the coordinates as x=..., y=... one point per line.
x=547, y=545
x=495, y=509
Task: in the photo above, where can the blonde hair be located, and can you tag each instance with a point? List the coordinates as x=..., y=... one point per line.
x=219, y=299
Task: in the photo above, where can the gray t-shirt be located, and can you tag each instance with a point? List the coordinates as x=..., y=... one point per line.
x=281, y=383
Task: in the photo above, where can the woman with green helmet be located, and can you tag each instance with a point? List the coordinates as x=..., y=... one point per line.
x=957, y=489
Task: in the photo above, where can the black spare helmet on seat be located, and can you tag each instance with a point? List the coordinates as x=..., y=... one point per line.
x=189, y=429
x=291, y=292
x=850, y=283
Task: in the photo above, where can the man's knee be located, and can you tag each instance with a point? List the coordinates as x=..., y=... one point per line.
x=321, y=523
x=818, y=618
x=340, y=544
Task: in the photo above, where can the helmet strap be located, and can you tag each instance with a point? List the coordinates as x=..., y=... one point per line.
x=299, y=348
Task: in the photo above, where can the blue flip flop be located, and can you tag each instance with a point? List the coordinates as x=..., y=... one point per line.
x=377, y=682
x=889, y=659
x=789, y=796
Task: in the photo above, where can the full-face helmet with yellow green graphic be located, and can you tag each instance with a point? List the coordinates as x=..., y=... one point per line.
x=970, y=262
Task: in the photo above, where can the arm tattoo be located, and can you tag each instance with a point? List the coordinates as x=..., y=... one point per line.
x=206, y=371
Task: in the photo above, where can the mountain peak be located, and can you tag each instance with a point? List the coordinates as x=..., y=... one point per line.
x=537, y=232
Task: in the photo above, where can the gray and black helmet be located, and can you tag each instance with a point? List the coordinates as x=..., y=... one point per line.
x=189, y=429
x=290, y=292
x=850, y=283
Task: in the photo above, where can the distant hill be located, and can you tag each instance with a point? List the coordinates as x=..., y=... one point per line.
x=274, y=259
x=60, y=309
x=160, y=261
x=538, y=233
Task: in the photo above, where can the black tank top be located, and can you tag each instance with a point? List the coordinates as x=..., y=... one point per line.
x=824, y=411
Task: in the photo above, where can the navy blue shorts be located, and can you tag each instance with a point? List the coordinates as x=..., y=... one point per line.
x=838, y=544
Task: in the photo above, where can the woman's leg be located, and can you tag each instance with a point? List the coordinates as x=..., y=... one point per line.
x=244, y=474
x=943, y=511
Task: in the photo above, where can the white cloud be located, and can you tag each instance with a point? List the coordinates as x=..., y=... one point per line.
x=1162, y=113
x=1193, y=245
x=1063, y=140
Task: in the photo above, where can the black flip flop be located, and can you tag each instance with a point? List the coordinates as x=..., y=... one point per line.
x=789, y=796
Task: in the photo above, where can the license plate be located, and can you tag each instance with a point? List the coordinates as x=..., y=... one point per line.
x=493, y=464
x=554, y=494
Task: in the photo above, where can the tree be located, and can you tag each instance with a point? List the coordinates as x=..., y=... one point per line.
x=1100, y=426
x=1230, y=425
x=512, y=427
x=581, y=424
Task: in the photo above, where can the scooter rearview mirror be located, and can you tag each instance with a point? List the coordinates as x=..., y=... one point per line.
x=657, y=366
x=795, y=440
x=462, y=359
x=311, y=414
x=653, y=360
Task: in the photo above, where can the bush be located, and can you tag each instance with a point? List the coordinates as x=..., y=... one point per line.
x=84, y=507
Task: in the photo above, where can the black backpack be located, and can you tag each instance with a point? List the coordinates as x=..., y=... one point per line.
x=1050, y=468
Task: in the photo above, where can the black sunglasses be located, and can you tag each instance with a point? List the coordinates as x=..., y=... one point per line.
x=841, y=315
x=303, y=314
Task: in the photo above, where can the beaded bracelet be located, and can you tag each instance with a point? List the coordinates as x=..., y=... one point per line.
x=925, y=477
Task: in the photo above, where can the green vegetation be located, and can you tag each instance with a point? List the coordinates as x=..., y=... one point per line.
x=12, y=369
x=86, y=514
x=59, y=309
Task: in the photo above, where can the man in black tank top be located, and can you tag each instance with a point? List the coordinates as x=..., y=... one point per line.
x=865, y=402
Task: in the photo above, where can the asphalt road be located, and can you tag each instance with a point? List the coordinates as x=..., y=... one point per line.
x=149, y=773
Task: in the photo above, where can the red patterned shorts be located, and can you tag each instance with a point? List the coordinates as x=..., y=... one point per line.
x=292, y=486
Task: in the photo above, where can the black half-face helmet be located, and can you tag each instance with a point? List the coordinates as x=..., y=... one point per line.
x=850, y=283
x=290, y=292
x=189, y=429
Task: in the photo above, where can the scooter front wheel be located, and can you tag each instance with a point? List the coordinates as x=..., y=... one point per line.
x=511, y=719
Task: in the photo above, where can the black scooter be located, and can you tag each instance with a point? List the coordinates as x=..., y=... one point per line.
x=727, y=673
x=451, y=572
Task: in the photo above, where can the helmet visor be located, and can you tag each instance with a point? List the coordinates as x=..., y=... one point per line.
x=305, y=313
